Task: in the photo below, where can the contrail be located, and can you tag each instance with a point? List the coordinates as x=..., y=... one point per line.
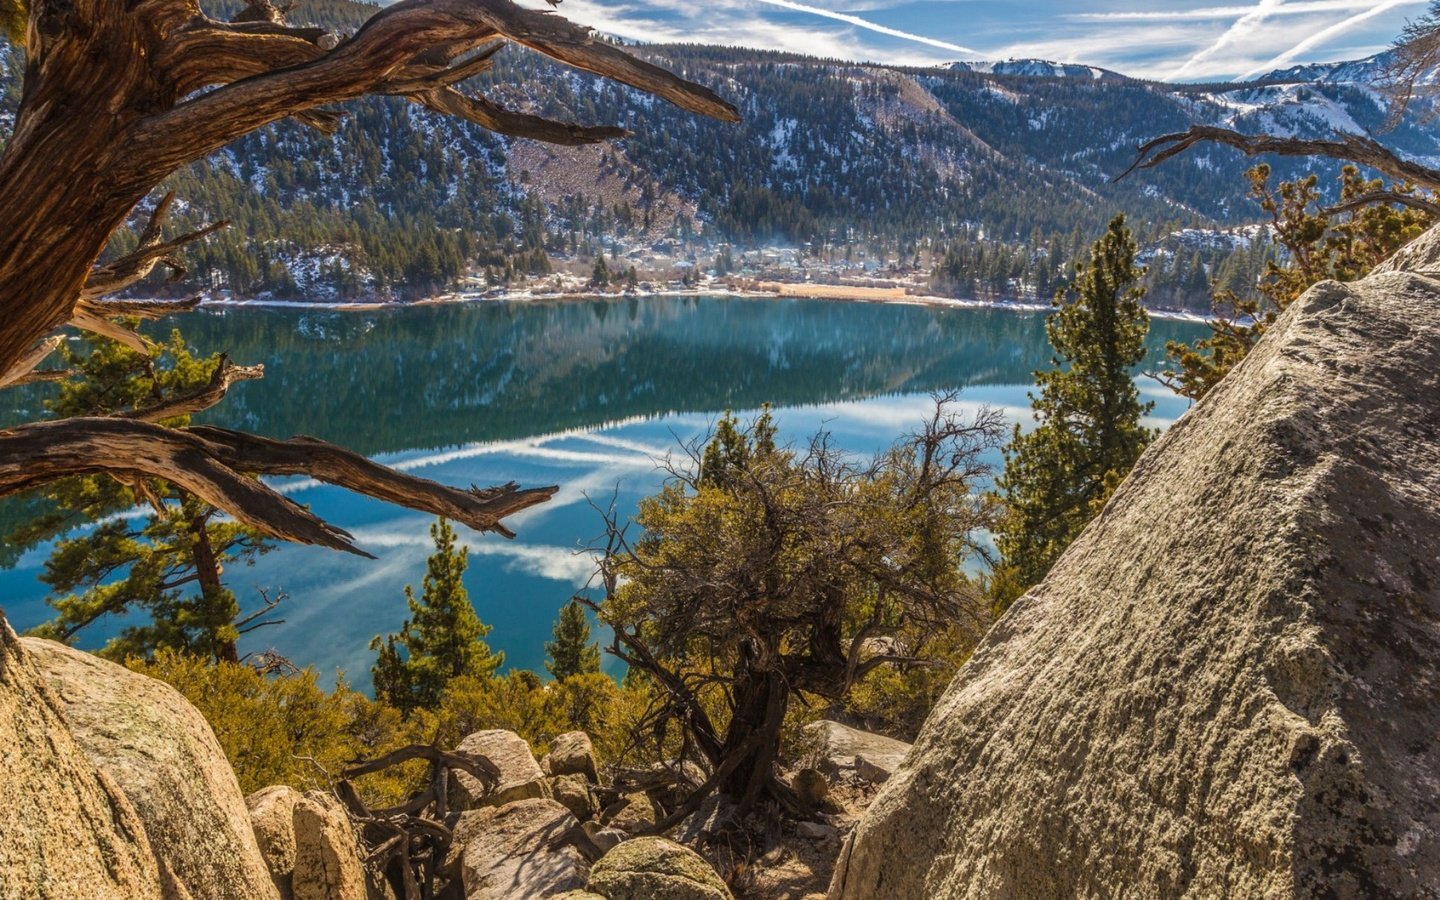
x=871, y=26
x=1302, y=7
x=1242, y=28
x=1325, y=35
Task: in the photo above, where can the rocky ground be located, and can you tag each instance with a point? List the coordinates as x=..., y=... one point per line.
x=130, y=796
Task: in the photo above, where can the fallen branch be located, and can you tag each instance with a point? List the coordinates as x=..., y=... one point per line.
x=412, y=836
x=478, y=766
x=216, y=465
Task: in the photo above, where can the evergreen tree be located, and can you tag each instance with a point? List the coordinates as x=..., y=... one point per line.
x=166, y=565
x=442, y=640
x=600, y=275
x=1058, y=476
x=572, y=653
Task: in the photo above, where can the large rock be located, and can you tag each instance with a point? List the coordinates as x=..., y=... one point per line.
x=327, y=851
x=574, y=793
x=521, y=849
x=840, y=747
x=272, y=818
x=652, y=868
x=520, y=775
x=573, y=754
x=162, y=754
x=1230, y=685
x=67, y=830
x=632, y=813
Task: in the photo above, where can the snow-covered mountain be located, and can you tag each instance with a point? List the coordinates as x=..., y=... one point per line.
x=1038, y=68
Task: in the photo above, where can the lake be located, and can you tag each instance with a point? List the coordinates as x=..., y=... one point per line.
x=583, y=394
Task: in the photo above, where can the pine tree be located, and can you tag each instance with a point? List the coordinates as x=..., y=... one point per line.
x=165, y=566
x=443, y=639
x=1058, y=476
x=600, y=275
x=572, y=653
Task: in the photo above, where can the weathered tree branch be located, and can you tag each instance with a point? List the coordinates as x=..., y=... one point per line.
x=141, y=309
x=1352, y=147
x=116, y=276
x=1427, y=206
x=392, y=40
x=216, y=465
x=490, y=115
x=226, y=374
x=476, y=765
x=24, y=370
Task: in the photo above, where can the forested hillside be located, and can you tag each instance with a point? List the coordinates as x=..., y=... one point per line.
x=992, y=178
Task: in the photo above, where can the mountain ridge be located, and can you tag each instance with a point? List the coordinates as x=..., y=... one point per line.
x=853, y=164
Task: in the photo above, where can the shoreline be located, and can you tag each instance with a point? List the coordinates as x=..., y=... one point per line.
x=781, y=291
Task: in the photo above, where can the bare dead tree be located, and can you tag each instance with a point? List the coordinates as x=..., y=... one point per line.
x=119, y=94
x=408, y=844
x=1414, y=55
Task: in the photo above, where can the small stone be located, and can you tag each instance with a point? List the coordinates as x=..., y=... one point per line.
x=633, y=814
x=573, y=792
x=816, y=831
x=838, y=746
x=872, y=772
x=272, y=816
x=812, y=787
x=607, y=838
x=327, y=851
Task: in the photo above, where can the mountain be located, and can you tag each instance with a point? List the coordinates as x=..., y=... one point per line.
x=1003, y=168
x=1038, y=68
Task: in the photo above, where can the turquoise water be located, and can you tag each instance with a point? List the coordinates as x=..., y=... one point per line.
x=586, y=395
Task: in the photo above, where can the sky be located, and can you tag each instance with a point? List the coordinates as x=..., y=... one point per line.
x=1178, y=40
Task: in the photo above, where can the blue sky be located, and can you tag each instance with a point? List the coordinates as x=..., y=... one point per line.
x=1178, y=40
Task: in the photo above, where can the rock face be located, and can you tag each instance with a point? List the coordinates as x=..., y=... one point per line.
x=159, y=750
x=520, y=850
x=520, y=775
x=327, y=852
x=67, y=830
x=652, y=868
x=272, y=817
x=1230, y=685
x=874, y=756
